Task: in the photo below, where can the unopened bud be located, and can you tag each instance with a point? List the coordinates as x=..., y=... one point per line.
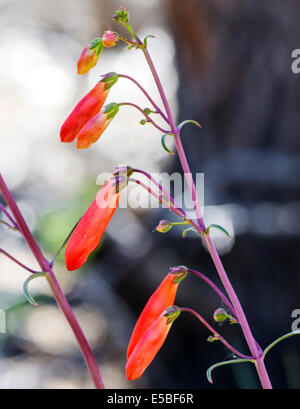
x=109, y=39
x=164, y=226
x=121, y=15
x=211, y=338
x=220, y=315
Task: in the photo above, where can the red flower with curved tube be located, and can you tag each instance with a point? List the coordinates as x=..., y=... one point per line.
x=162, y=298
x=150, y=343
x=95, y=127
x=89, y=231
x=88, y=107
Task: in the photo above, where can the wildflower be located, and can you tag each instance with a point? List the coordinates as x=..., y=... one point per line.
x=87, y=108
x=161, y=299
x=89, y=231
x=95, y=127
x=150, y=343
x=109, y=39
x=89, y=56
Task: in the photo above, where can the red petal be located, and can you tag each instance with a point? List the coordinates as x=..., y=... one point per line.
x=88, y=107
x=161, y=299
x=148, y=346
x=91, y=227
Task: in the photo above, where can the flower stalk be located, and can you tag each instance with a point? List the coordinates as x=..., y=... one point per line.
x=253, y=346
x=54, y=285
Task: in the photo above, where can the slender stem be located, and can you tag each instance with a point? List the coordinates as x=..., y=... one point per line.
x=155, y=106
x=215, y=288
x=158, y=197
x=145, y=115
x=161, y=188
x=9, y=216
x=57, y=291
x=5, y=253
x=215, y=333
x=253, y=345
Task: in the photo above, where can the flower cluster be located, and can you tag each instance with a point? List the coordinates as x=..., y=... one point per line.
x=153, y=326
x=88, y=121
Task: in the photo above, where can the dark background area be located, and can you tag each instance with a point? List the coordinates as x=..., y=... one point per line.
x=233, y=63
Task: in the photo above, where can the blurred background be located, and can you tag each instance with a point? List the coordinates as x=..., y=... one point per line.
x=224, y=64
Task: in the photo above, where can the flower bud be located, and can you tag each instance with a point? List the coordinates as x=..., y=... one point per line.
x=95, y=127
x=121, y=15
x=164, y=226
x=89, y=56
x=109, y=39
x=220, y=315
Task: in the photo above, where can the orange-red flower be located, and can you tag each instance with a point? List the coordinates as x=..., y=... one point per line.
x=89, y=231
x=161, y=299
x=150, y=343
x=88, y=107
x=89, y=56
x=95, y=127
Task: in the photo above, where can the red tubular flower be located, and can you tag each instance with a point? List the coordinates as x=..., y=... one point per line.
x=95, y=127
x=89, y=56
x=161, y=299
x=150, y=343
x=89, y=231
x=88, y=107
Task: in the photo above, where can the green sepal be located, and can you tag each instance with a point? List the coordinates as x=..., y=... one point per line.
x=171, y=313
x=163, y=142
x=25, y=287
x=110, y=79
x=97, y=45
x=233, y=361
x=111, y=110
x=216, y=226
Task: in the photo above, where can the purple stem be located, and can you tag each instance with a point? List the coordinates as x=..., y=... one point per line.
x=253, y=346
x=215, y=333
x=155, y=106
x=162, y=189
x=5, y=253
x=158, y=197
x=215, y=288
x=131, y=104
x=57, y=291
x=8, y=216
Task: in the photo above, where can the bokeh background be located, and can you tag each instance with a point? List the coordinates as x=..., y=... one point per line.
x=225, y=64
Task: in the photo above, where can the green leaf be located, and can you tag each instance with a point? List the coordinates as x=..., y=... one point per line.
x=163, y=142
x=189, y=121
x=233, y=361
x=289, y=334
x=216, y=226
x=25, y=287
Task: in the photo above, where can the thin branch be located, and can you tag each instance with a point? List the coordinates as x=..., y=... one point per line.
x=159, y=111
x=216, y=334
x=150, y=120
x=5, y=253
